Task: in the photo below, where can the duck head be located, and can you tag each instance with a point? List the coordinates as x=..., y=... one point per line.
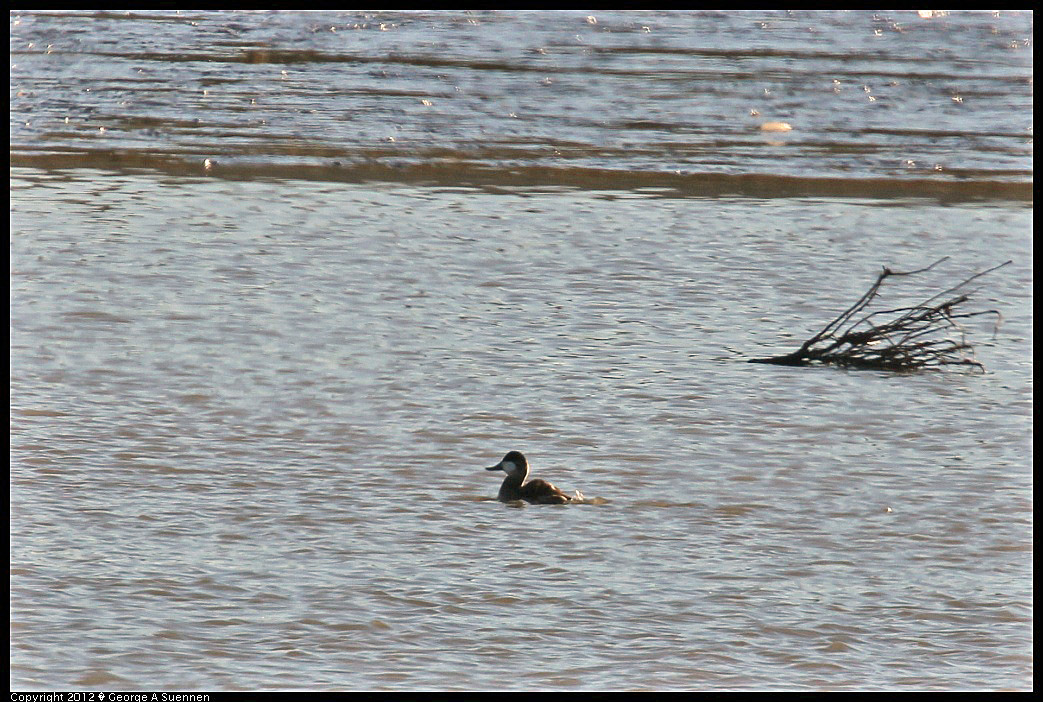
x=513, y=463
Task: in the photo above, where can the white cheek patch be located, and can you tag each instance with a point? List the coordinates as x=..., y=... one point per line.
x=508, y=467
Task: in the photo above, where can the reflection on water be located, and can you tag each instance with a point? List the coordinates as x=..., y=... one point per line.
x=879, y=105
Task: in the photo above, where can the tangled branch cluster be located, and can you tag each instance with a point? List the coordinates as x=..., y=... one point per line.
x=927, y=335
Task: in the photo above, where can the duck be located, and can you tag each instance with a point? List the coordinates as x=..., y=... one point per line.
x=537, y=491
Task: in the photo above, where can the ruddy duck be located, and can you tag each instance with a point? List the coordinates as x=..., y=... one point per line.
x=514, y=487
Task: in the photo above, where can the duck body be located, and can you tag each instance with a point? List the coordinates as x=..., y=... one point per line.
x=537, y=491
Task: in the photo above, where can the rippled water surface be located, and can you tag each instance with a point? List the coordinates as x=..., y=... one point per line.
x=252, y=398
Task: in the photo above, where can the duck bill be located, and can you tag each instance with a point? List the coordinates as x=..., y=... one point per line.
x=498, y=466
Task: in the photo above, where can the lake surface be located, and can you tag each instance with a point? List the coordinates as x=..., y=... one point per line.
x=284, y=284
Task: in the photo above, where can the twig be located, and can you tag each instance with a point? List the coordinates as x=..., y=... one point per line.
x=919, y=337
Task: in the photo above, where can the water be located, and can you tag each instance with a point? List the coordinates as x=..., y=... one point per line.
x=251, y=404
x=878, y=104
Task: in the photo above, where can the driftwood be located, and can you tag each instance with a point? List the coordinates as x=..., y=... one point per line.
x=925, y=336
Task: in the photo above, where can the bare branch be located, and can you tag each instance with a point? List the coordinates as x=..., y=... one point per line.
x=920, y=336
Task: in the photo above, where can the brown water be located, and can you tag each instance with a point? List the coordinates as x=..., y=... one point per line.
x=251, y=404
